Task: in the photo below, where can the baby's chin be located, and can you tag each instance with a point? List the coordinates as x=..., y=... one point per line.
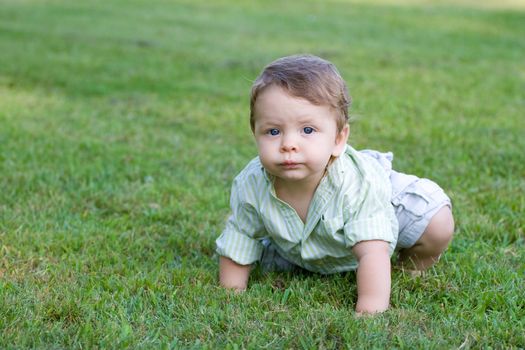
x=299, y=175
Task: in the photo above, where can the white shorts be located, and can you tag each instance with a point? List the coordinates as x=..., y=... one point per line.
x=415, y=200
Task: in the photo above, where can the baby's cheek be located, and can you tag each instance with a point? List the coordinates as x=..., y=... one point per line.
x=265, y=161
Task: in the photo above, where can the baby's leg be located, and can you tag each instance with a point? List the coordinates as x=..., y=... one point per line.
x=434, y=241
x=272, y=261
x=426, y=224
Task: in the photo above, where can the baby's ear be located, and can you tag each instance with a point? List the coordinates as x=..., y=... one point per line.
x=340, y=141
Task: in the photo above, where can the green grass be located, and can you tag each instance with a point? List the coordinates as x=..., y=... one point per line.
x=123, y=123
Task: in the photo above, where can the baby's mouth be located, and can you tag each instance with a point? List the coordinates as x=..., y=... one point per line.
x=289, y=164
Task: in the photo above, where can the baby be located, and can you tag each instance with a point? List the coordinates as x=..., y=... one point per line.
x=311, y=201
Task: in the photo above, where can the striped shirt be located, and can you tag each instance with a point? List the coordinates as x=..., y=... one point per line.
x=350, y=205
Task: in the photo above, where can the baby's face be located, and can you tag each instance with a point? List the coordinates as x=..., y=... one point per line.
x=295, y=138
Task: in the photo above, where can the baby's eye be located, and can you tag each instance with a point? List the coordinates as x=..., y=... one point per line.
x=273, y=132
x=308, y=130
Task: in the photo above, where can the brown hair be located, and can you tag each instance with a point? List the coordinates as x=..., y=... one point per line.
x=305, y=76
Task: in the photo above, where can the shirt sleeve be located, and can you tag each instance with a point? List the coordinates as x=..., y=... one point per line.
x=371, y=215
x=238, y=241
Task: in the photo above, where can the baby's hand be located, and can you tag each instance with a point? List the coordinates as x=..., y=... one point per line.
x=233, y=275
x=373, y=277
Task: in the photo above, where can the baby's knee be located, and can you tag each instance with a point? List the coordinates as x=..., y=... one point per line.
x=440, y=229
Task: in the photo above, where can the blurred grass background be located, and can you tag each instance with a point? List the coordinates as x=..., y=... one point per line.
x=123, y=123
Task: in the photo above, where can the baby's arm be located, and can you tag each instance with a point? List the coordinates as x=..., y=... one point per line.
x=373, y=276
x=233, y=275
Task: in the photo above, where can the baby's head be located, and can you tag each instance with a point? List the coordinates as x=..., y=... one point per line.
x=308, y=77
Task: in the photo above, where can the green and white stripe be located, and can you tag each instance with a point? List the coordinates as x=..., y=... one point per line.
x=351, y=204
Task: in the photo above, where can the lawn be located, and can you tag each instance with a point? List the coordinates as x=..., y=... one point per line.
x=123, y=123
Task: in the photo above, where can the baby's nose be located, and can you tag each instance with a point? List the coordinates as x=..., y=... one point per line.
x=289, y=144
